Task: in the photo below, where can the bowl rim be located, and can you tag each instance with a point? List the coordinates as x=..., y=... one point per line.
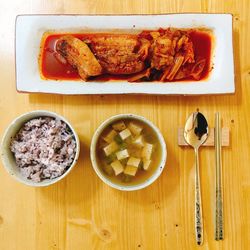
x=19, y=123
x=94, y=141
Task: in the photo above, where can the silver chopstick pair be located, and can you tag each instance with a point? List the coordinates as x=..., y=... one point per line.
x=219, y=223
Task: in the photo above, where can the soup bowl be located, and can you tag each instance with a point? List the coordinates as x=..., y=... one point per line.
x=147, y=177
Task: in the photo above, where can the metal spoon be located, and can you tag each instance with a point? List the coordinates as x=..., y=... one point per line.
x=195, y=134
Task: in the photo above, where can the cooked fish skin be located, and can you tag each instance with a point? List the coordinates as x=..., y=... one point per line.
x=79, y=55
x=119, y=53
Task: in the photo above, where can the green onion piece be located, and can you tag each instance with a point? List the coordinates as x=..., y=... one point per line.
x=118, y=139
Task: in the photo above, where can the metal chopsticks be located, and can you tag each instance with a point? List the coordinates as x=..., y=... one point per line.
x=219, y=231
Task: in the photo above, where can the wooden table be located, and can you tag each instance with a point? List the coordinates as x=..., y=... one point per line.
x=81, y=212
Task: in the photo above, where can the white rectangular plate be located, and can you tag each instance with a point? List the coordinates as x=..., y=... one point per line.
x=30, y=28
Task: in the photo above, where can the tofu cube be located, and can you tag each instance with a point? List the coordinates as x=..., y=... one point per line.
x=135, y=128
x=147, y=151
x=146, y=164
x=123, y=154
x=130, y=170
x=132, y=161
x=124, y=134
x=112, y=147
x=119, y=126
x=110, y=136
x=117, y=167
x=139, y=141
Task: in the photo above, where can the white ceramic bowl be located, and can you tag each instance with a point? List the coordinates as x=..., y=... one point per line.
x=8, y=157
x=99, y=172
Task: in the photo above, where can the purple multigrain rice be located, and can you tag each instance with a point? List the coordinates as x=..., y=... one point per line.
x=44, y=148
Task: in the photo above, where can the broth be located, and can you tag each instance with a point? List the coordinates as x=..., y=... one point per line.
x=134, y=151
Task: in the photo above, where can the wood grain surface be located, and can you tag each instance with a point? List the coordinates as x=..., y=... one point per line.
x=81, y=212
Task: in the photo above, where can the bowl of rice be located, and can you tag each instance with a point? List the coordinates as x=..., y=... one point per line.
x=39, y=148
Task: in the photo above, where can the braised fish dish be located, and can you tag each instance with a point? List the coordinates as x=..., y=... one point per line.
x=163, y=55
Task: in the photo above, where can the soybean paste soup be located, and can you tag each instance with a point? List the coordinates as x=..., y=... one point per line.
x=128, y=152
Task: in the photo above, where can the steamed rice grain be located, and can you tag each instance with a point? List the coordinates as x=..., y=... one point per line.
x=44, y=148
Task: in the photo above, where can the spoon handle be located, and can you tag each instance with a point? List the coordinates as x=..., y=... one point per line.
x=198, y=205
